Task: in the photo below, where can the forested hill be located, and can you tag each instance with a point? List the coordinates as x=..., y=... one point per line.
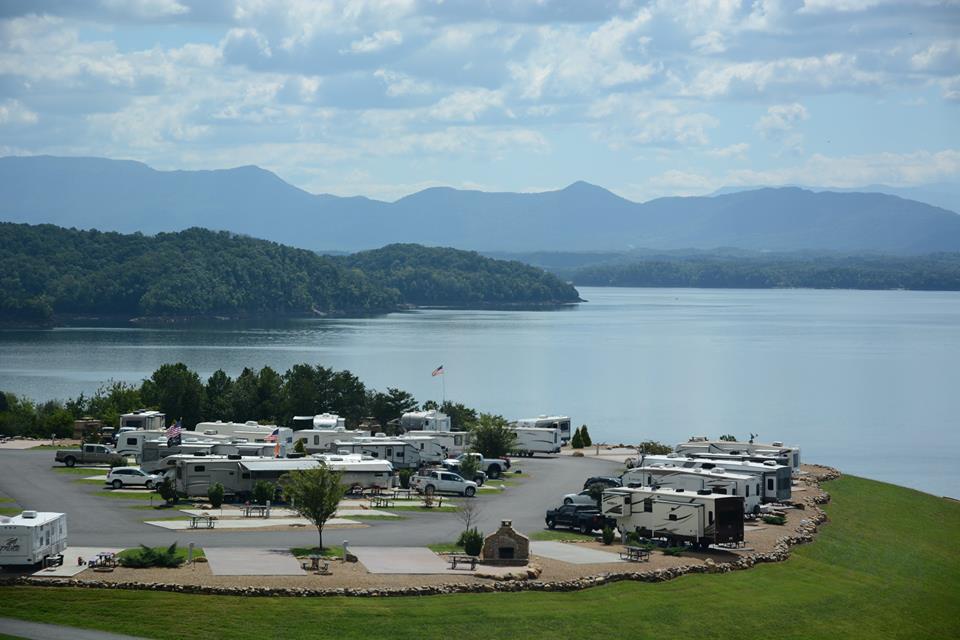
x=48, y=272
x=449, y=277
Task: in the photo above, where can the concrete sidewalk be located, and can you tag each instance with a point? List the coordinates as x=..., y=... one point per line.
x=41, y=631
x=572, y=553
x=70, y=567
x=409, y=560
x=249, y=561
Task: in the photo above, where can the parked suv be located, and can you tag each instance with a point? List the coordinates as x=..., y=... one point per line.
x=430, y=482
x=120, y=477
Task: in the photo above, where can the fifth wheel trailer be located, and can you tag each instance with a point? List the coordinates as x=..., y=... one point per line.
x=786, y=454
x=716, y=480
x=28, y=538
x=777, y=480
x=533, y=440
x=561, y=423
x=698, y=517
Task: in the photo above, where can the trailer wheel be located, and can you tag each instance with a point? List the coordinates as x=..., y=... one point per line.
x=117, y=484
x=469, y=492
x=70, y=461
x=429, y=490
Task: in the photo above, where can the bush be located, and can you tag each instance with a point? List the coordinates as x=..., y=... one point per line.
x=263, y=491
x=585, y=436
x=300, y=447
x=577, y=440
x=405, y=475
x=607, y=536
x=146, y=557
x=168, y=491
x=469, y=466
x=654, y=448
x=472, y=542
x=673, y=551
x=728, y=437
x=215, y=495
x=774, y=519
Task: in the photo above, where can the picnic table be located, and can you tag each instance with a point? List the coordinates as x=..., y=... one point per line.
x=381, y=501
x=634, y=554
x=201, y=522
x=53, y=561
x=316, y=565
x=463, y=559
x=254, y=509
x=402, y=493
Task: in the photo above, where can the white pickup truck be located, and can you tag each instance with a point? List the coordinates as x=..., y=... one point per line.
x=493, y=467
x=434, y=481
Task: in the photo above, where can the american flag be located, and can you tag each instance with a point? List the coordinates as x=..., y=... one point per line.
x=438, y=371
x=174, y=430
x=273, y=436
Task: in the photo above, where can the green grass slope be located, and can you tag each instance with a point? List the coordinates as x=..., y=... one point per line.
x=887, y=566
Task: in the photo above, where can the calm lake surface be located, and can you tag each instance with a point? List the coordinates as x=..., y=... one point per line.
x=862, y=380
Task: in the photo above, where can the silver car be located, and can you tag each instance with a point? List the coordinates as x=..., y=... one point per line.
x=120, y=477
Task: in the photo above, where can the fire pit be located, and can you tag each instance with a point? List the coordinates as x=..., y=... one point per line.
x=506, y=547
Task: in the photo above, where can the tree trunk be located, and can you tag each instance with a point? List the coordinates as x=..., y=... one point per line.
x=320, y=531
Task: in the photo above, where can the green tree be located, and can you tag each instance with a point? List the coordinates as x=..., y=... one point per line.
x=243, y=396
x=168, y=491
x=384, y=407
x=492, y=437
x=314, y=494
x=728, y=437
x=113, y=399
x=469, y=466
x=269, y=395
x=301, y=391
x=577, y=440
x=176, y=391
x=216, y=397
x=347, y=397
x=300, y=448
x=263, y=491
x=585, y=436
x=215, y=495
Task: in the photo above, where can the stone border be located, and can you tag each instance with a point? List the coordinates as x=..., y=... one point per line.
x=803, y=534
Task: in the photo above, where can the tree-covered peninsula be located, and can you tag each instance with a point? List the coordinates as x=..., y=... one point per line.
x=48, y=272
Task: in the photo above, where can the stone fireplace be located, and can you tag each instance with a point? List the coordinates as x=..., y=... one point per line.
x=506, y=547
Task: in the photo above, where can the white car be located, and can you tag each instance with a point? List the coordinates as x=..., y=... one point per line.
x=120, y=477
x=583, y=497
x=430, y=482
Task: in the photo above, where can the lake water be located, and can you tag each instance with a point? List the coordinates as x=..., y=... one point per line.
x=865, y=381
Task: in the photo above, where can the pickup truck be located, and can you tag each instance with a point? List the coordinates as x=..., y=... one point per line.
x=453, y=464
x=430, y=482
x=583, y=518
x=494, y=467
x=90, y=454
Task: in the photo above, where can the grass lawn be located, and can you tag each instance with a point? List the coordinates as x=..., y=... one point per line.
x=86, y=471
x=9, y=511
x=887, y=566
x=445, y=547
x=560, y=535
x=123, y=495
x=410, y=507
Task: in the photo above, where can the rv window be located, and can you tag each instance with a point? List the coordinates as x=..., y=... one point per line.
x=672, y=516
x=400, y=453
x=710, y=515
x=199, y=468
x=648, y=505
x=720, y=490
x=131, y=441
x=748, y=491
x=316, y=439
x=769, y=484
x=179, y=472
x=245, y=476
x=389, y=452
x=649, y=479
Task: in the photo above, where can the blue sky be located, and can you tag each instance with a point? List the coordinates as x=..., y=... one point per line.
x=385, y=98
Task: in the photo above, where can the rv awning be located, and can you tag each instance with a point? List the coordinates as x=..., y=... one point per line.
x=279, y=465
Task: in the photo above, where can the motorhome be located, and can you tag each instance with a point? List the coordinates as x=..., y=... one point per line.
x=561, y=423
x=159, y=458
x=701, y=518
x=533, y=440
x=195, y=475
x=144, y=420
x=777, y=480
x=319, y=421
x=789, y=455
x=425, y=421
x=321, y=440
x=431, y=449
x=402, y=454
x=456, y=442
x=250, y=431
x=28, y=538
x=717, y=480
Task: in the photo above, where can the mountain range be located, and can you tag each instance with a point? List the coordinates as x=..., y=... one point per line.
x=127, y=196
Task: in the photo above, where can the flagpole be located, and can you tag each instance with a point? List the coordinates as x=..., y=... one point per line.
x=443, y=389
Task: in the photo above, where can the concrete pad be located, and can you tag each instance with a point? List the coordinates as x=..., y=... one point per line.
x=102, y=478
x=69, y=567
x=572, y=553
x=250, y=561
x=248, y=523
x=408, y=560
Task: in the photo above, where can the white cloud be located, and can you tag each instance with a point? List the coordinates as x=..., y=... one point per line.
x=146, y=9
x=940, y=57
x=628, y=120
x=466, y=105
x=400, y=84
x=781, y=119
x=738, y=150
x=376, y=42
x=13, y=112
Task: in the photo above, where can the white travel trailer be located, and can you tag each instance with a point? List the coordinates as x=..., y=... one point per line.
x=401, y=453
x=250, y=431
x=431, y=449
x=698, y=517
x=717, y=480
x=777, y=481
x=319, y=421
x=320, y=440
x=455, y=442
x=561, y=423
x=360, y=471
x=162, y=459
x=143, y=419
x=697, y=445
x=533, y=440
x=30, y=537
x=425, y=421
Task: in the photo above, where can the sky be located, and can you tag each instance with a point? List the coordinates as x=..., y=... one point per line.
x=385, y=98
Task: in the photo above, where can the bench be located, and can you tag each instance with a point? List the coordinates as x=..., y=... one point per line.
x=458, y=559
x=634, y=554
x=201, y=522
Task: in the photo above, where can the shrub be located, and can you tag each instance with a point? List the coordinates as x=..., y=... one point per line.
x=146, y=557
x=472, y=541
x=215, y=495
x=405, y=478
x=263, y=491
x=300, y=447
x=469, y=466
x=774, y=519
x=168, y=491
x=608, y=536
x=727, y=437
x=585, y=436
x=655, y=448
x=577, y=440
x=673, y=551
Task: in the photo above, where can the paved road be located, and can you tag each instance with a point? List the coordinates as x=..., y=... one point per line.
x=39, y=631
x=26, y=476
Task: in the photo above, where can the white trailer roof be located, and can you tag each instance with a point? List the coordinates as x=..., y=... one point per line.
x=42, y=517
x=672, y=494
x=717, y=472
x=279, y=464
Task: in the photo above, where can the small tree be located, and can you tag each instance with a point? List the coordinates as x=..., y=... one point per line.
x=585, y=436
x=608, y=536
x=596, y=491
x=728, y=437
x=492, y=437
x=468, y=512
x=300, y=447
x=405, y=478
x=167, y=490
x=577, y=440
x=469, y=466
x=472, y=542
x=263, y=491
x=215, y=495
x=314, y=494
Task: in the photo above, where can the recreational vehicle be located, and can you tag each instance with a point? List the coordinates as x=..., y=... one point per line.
x=360, y=471
x=321, y=440
x=160, y=459
x=455, y=442
x=402, y=454
x=533, y=440
x=30, y=537
x=143, y=420
x=431, y=449
x=425, y=421
x=777, y=482
x=697, y=445
x=561, y=423
x=698, y=517
x=717, y=480
x=249, y=431
x=326, y=421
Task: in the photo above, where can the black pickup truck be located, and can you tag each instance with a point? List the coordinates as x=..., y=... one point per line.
x=584, y=518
